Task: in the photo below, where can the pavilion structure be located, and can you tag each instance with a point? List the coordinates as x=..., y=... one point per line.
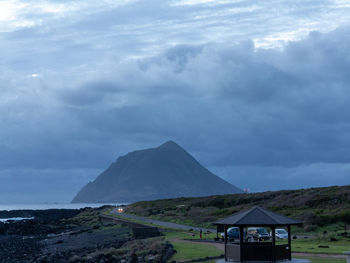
x=267, y=251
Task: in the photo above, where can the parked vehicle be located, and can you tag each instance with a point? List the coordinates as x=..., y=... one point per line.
x=258, y=233
x=232, y=233
x=280, y=233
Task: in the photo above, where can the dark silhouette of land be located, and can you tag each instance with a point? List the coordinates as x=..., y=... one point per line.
x=167, y=171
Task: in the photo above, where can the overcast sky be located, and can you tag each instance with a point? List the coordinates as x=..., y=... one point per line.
x=258, y=91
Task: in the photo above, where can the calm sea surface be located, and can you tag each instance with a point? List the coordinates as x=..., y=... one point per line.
x=49, y=206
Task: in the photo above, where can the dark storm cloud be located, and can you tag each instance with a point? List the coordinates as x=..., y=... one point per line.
x=269, y=107
x=271, y=113
x=234, y=104
x=79, y=88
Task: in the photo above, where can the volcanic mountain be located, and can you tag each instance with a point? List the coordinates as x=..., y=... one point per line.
x=167, y=171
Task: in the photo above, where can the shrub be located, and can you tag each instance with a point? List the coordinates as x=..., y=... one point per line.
x=310, y=228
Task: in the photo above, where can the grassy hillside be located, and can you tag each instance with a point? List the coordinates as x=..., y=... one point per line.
x=326, y=208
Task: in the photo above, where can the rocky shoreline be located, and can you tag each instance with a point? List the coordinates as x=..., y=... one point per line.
x=68, y=235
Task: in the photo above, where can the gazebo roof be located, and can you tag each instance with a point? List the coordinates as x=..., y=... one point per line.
x=257, y=216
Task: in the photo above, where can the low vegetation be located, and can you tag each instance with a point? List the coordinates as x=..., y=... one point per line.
x=321, y=209
x=144, y=250
x=323, y=260
x=88, y=217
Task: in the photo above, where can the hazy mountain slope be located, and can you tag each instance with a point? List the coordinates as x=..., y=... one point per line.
x=164, y=172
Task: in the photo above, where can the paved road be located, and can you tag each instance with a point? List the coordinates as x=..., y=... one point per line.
x=160, y=223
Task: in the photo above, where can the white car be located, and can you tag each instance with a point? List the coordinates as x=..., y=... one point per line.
x=281, y=233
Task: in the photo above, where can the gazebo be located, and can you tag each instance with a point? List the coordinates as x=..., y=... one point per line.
x=256, y=251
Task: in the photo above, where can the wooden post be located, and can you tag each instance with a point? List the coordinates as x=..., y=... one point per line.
x=273, y=233
x=241, y=241
x=289, y=243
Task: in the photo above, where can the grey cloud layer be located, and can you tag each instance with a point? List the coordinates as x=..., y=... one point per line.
x=268, y=107
x=80, y=33
x=110, y=81
x=236, y=104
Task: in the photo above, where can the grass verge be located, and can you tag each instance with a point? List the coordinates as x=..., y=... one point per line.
x=323, y=260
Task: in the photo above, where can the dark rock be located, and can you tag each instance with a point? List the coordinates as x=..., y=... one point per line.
x=132, y=258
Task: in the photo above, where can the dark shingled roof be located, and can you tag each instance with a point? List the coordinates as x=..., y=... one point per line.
x=257, y=216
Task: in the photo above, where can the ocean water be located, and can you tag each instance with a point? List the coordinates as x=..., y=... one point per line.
x=4, y=220
x=45, y=206
x=10, y=207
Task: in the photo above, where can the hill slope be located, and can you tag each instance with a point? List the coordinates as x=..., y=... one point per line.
x=316, y=207
x=164, y=172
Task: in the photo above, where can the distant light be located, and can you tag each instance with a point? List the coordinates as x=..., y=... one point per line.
x=34, y=75
x=120, y=210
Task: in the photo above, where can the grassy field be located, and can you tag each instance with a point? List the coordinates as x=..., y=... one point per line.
x=321, y=209
x=299, y=245
x=188, y=251
x=327, y=247
x=323, y=260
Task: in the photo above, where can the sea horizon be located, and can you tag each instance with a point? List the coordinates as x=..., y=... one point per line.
x=45, y=206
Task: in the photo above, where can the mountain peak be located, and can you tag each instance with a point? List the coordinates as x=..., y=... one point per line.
x=167, y=171
x=170, y=145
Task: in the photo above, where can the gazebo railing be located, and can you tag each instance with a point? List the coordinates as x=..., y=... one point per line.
x=282, y=252
x=233, y=252
x=256, y=252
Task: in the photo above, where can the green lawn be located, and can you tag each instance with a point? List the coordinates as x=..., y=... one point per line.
x=188, y=251
x=323, y=260
x=209, y=261
x=312, y=246
x=299, y=245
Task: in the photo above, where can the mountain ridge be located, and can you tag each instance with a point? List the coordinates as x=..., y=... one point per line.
x=166, y=171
